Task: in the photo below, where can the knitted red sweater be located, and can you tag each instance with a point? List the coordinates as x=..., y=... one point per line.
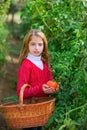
x=29, y=73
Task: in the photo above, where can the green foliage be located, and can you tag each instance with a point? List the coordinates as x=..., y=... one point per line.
x=64, y=22
x=3, y=32
x=10, y=99
x=70, y=71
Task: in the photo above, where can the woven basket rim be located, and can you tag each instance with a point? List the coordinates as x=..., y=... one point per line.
x=14, y=104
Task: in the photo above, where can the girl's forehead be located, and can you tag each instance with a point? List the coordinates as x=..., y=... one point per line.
x=36, y=38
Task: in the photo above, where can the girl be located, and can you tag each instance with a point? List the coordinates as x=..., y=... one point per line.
x=34, y=67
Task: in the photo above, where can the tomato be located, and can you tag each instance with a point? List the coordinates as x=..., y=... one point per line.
x=53, y=84
x=75, y=94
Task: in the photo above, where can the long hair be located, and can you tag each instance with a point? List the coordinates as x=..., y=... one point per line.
x=25, y=47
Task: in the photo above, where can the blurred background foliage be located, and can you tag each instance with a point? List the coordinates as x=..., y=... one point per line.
x=3, y=32
x=65, y=24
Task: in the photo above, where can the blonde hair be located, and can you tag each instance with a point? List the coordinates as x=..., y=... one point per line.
x=25, y=47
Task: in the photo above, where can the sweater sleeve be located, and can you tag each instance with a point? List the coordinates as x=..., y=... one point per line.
x=50, y=75
x=34, y=91
x=24, y=75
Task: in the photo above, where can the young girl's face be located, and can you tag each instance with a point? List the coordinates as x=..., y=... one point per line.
x=36, y=46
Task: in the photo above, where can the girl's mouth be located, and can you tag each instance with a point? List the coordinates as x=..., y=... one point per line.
x=36, y=52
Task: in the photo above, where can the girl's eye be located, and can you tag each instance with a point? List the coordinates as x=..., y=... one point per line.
x=32, y=44
x=40, y=44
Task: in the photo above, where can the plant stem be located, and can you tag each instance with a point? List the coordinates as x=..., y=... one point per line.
x=67, y=113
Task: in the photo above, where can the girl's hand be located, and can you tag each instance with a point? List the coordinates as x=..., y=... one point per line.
x=49, y=90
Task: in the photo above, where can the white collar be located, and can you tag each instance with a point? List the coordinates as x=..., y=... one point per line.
x=35, y=60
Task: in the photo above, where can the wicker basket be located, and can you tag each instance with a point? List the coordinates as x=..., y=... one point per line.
x=28, y=113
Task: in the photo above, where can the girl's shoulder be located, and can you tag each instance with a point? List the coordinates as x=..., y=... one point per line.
x=26, y=63
x=44, y=63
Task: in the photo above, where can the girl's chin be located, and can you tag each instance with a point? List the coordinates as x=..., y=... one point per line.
x=36, y=54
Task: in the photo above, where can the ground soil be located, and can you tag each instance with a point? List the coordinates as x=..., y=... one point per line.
x=9, y=72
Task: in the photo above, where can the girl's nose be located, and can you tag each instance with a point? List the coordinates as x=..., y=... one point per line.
x=36, y=46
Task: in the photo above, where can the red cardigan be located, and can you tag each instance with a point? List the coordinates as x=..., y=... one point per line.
x=29, y=73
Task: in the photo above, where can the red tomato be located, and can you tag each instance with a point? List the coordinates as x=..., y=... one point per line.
x=53, y=84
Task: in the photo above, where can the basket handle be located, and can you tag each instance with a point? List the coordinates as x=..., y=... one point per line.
x=21, y=93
